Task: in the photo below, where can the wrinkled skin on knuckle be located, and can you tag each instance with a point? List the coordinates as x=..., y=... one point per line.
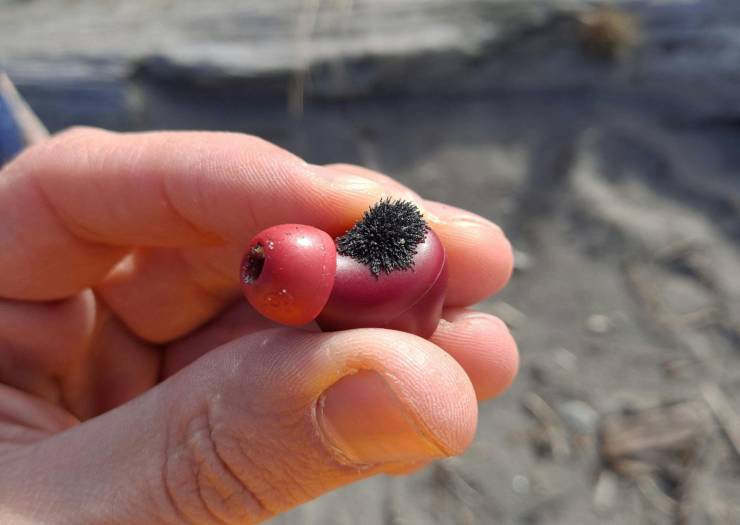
x=280, y=456
x=253, y=448
x=244, y=467
x=68, y=139
x=201, y=485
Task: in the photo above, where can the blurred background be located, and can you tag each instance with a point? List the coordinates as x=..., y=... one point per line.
x=604, y=137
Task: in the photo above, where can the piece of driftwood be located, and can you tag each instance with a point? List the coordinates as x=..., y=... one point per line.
x=661, y=449
x=96, y=56
x=671, y=428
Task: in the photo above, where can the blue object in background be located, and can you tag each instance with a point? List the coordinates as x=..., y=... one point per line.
x=11, y=141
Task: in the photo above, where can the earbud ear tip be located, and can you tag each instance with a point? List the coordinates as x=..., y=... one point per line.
x=388, y=271
x=406, y=300
x=288, y=271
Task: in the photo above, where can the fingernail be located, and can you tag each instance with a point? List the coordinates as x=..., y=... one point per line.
x=472, y=315
x=431, y=217
x=461, y=218
x=354, y=183
x=346, y=181
x=488, y=322
x=475, y=222
x=365, y=423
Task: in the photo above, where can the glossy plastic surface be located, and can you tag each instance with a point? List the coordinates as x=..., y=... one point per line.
x=409, y=300
x=287, y=273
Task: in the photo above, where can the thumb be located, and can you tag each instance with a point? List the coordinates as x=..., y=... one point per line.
x=251, y=430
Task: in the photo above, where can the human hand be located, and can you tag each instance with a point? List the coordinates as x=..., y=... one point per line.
x=137, y=387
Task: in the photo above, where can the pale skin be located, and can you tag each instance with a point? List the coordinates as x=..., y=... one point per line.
x=136, y=386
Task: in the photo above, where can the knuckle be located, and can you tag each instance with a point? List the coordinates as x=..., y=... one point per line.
x=75, y=138
x=201, y=484
x=240, y=458
x=70, y=139
x=77, y=132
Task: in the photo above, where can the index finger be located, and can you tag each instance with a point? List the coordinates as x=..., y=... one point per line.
x=73, y=206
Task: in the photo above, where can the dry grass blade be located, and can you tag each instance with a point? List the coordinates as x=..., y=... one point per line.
x=31, y=128
x=726, y=417
x=551, y=423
